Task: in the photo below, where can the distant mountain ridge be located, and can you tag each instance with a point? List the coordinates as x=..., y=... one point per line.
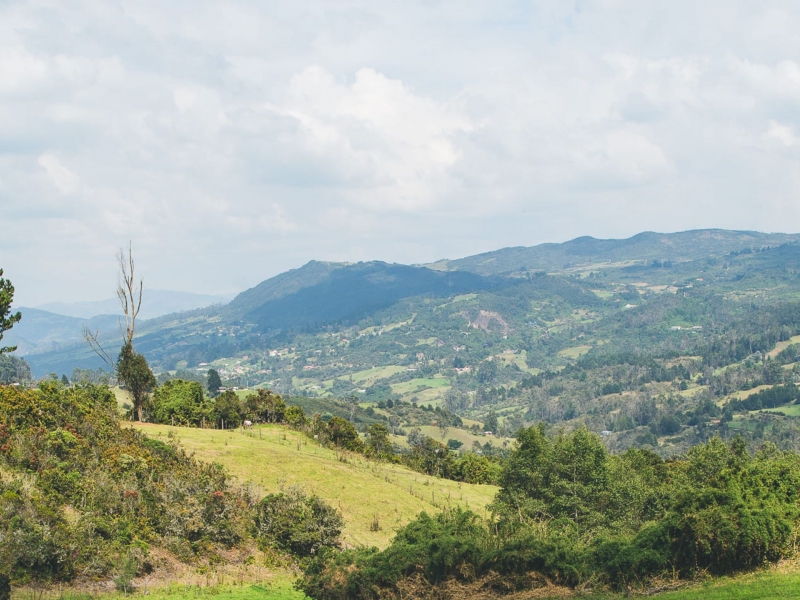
x=320, y=294
x=41, y=331
x=681, y=246
x=155, y=303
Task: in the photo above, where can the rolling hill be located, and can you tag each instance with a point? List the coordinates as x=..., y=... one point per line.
x=40, y=331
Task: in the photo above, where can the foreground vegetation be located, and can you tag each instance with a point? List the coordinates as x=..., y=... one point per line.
x=571, y=514
x=781, y=582
x=81, y=497
x=85, y=498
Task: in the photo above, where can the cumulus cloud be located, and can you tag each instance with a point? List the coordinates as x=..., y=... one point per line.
x=244, y=139
x=393, y=147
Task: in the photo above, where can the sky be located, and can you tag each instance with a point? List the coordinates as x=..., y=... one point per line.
x=231, y=141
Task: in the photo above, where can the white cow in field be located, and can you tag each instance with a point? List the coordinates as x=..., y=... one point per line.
x=248, y=424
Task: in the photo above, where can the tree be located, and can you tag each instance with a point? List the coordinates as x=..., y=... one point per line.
x=13, y=369
x=264, y=407
x=228, y=410
x=454, y=444
x=341, y=433
x=491, y=422
x=7, y=319
x=378, y=443
x=178, y=402
x=129, y=293
x=135, y=373
x=352, y=400
x=213, y=382
x=487, y=371
x=431, y=457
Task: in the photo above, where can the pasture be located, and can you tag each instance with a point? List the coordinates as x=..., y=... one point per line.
x=271, y=456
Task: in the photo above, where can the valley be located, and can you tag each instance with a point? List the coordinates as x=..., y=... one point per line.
x=406, y=400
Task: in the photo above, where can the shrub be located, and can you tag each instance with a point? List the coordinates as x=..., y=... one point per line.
x=5, y=587
x=228, y=410
x=178, y=402
x=83, y=491
x=295, y=522
x=341, y=433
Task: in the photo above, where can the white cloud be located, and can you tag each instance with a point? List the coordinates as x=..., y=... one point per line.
x=66, y=181
x=782, y=134
x=246, y=139
x=393, y=145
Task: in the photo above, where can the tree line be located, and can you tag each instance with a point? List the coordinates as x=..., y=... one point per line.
x=571, y=513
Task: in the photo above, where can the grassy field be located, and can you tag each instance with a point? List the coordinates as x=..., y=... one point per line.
x=370, y=376
x=272, y=455
x=777, y=583
x=692, y=390
x=462, y=436
x=280, y=589
x=516, y=358
x=575, y=352
x=790, y=410
x=418, y=385
x=426, y=390
x=123, y=397
x=742, y=394
x=781, y=346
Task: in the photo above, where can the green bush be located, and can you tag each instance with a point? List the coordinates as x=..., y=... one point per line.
x=570, y=512
x=295, y=522
x=178, y=402
x=227, y=410
x=78, y=492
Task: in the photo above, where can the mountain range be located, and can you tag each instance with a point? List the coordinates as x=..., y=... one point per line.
x=323, y=295
x=54, y=326
x=155, y=303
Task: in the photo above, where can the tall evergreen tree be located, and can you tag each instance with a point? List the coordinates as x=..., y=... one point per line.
x=135, y=373
x=213, y=382
x=7, y=319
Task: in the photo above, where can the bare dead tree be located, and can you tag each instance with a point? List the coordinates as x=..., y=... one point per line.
x=129, y=292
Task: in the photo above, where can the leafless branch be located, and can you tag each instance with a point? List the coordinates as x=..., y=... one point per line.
x=128, y=292
x=92, y=338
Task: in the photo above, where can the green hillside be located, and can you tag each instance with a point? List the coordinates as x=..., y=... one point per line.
x=272, y=455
